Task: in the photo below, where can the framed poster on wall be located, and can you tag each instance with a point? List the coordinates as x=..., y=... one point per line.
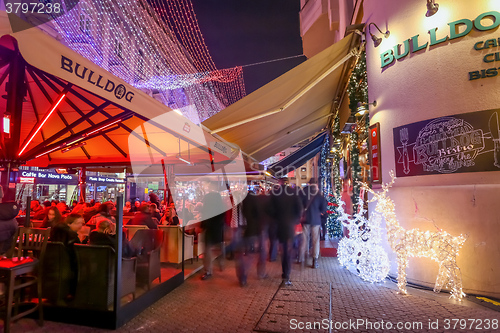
x=467, y=142
x=375, y=161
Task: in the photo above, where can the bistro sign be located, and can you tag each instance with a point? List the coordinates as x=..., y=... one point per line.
x=468, y=142
x=400, y=51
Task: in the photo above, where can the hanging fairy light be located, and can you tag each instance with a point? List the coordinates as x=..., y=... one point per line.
x=136, y=41
x=439, y=246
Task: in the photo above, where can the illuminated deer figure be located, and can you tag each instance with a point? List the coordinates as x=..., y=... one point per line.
x=440, y=246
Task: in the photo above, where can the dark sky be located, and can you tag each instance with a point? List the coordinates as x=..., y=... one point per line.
x=240, y=32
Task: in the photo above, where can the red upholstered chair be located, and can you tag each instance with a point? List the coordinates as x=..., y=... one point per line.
x=23, y=270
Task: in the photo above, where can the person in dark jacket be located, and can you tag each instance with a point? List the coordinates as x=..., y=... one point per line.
x=254, y=210
x=8, y=225
x=67, y=232
x=285, y=210
x=315, y=205
x=155, y=212
x=105, y=234
x=144, y=217
x=213, y=218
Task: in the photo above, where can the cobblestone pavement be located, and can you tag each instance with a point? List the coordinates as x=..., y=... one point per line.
x=327, y=293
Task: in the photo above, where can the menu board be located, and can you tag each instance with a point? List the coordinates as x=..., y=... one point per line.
x=468, y=142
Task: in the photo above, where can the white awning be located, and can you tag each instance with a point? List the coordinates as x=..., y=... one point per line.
x=289, y=109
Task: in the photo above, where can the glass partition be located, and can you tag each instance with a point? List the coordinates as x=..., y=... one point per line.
x=95, y=276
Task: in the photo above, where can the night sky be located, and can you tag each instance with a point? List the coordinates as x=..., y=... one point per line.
x=240, y=32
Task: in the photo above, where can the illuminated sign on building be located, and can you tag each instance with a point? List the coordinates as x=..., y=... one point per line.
x=400, y=51
x=101, y=179
x=27, y=180
x=45, y=175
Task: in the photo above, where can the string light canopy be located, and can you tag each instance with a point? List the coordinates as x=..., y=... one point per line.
x=439, y=245
x=156, y=46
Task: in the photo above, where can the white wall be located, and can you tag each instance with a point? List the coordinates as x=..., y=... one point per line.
x=429, y=84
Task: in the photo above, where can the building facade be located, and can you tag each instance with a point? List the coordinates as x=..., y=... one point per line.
x=435, y=82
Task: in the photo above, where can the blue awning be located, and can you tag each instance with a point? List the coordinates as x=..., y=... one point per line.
x=297, y=158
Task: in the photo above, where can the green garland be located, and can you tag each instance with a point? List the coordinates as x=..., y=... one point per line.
x=333, y=225
x=358, y=93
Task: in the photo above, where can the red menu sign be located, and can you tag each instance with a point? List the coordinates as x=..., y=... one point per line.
x=376, y=169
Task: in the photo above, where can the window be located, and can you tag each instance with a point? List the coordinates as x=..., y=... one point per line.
x=303, y=177
x=303, y=169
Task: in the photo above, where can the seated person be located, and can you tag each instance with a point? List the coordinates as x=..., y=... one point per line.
x=79, y=208
x=128, y=207
x=105, y=234
x=8, y=225
x=144, y=218
x=186, y=212
x=88, y=212
x=104, y=214
x=136, y=208
x=41, y=214
x=155, y=212
x=35, y=207
x=52, y=219
x=67, y=232
x=170, y=217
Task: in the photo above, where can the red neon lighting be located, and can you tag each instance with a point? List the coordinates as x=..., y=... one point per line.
x=40, y=126
x=27, y=180
x=97, y=130
x=48, y=152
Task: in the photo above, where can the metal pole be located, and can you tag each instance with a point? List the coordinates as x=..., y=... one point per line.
x=82, y=184
x=118, y=249
x=27, y=221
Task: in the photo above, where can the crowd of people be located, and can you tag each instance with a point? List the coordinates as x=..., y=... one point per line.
x=282, y=218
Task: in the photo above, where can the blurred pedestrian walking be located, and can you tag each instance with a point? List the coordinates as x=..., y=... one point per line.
x=255, y=210
x=286, y=210
x=213, y=217
x=315, y=205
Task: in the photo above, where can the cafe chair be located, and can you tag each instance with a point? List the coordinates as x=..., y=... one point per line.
x=172, y=249
x=96, y=276
x=22, y=270
x=132, y=229
x=147, y=243
x=57, y=273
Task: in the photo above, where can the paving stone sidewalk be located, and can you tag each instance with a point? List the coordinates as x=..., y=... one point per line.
x=329, y=293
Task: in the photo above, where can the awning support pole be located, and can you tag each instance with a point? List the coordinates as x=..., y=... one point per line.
x=82, y=183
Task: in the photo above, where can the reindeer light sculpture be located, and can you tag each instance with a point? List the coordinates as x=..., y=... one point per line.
x=440, y=246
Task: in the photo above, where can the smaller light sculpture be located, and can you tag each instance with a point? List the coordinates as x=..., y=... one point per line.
x=440, y=246
x=362, y=253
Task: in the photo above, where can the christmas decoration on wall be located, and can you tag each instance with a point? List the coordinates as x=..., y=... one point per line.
x=156, y=46
x=328, y=161
x=361, y=252
x=358, y=93
x=439, y=246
